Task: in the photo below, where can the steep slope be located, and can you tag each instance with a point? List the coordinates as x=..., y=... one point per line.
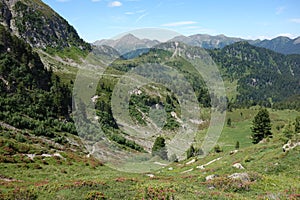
x=32, y=98
x=39, y=25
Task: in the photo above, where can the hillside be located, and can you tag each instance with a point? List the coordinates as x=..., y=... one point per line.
x=266, y=171
x=263, y=76
x=39, y=25
x=33, y=100
x=280, y=44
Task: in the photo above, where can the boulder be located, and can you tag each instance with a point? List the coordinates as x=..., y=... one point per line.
x=241, y=176
x=238, y=166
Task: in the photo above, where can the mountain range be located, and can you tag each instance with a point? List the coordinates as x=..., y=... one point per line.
x=279, y=44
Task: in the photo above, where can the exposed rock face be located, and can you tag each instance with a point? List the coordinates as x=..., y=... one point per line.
x=38, y=24
x=5, y=14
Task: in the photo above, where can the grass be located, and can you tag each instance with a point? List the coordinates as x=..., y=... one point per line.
x=276, y=173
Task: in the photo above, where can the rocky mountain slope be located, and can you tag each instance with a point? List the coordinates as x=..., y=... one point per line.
x=39, y=25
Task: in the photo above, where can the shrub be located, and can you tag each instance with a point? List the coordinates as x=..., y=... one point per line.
x=159, y=148
x=190, y=152
x=237, y=145
x=218, y=149
x=93, y=195
x=173, y=158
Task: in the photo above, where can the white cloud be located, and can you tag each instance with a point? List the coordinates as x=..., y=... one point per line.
x=181, y=23
x=115, y=4
x=280, y=10
x=295, y=20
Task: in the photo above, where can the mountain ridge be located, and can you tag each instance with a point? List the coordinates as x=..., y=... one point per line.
x=280, y=44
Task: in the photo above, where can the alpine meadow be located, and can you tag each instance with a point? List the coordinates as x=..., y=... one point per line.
x=176, y=111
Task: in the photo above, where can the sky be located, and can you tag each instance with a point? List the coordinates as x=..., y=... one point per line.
x=248, y=19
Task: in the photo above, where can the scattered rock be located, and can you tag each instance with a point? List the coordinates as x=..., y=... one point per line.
x=200, y=167
x=95, y=98
x=238, y=166
x=263, y=141
x=290, y=145
x=211, y=177
x=46, y=155
x=30, y=156
x=233, y=152
x=170, y=168
x=161, y=164
x=241, y=176
x=6, y=179
x=150, y=175
x=136, y=92
x=187, y=171
x=210, y=162
x=58, y=155
x=191, y=161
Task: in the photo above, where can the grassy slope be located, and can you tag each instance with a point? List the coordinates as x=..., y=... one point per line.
x=276, y=173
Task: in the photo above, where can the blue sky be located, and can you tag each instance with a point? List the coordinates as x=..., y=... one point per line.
x=251, y=19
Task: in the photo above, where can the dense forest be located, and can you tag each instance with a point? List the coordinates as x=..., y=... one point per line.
x=263, y=76
x=32, y=97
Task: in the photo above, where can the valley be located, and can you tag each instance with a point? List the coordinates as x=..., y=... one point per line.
x=193, y=117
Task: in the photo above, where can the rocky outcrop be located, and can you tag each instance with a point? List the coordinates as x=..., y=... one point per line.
x=290, y=145
x=39, y=25
x=5, y=14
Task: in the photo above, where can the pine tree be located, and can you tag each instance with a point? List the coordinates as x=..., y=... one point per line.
x=237, y=145
x=190, y=152
x=288, y=131
x=297, y=125
x=229, y=122
x=261, y=127
x=159, y=148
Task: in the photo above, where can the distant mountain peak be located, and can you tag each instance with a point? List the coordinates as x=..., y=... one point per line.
x=127, y=43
